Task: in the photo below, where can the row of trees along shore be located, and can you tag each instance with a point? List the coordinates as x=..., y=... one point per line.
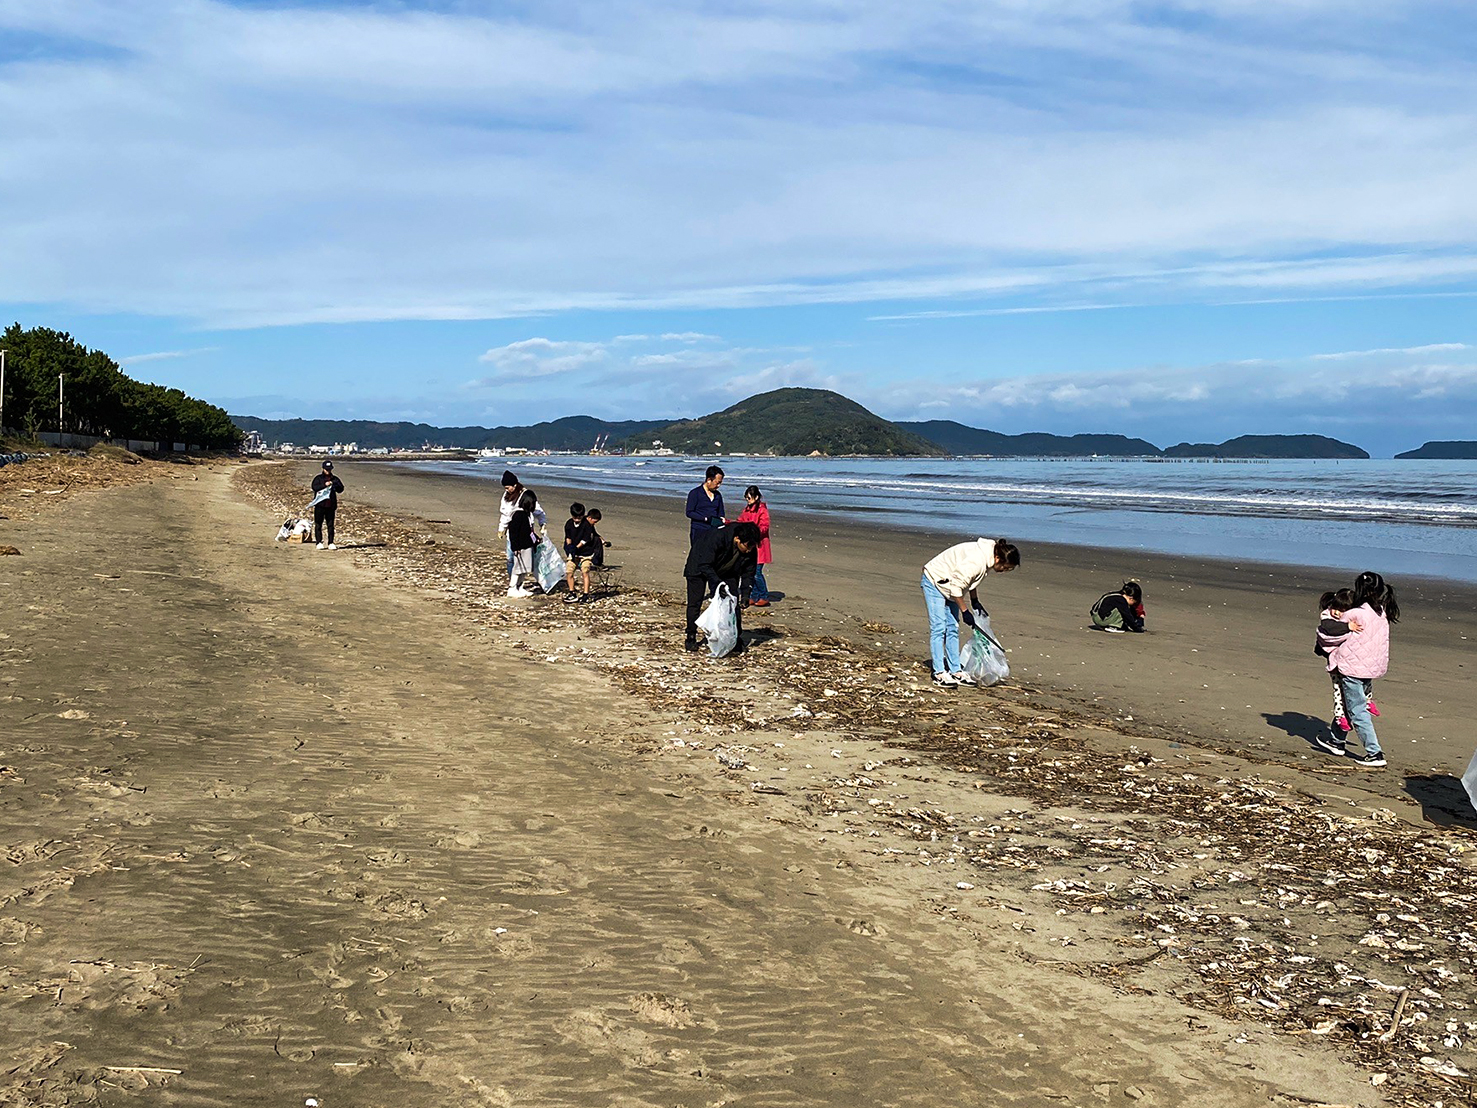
x=100, y=399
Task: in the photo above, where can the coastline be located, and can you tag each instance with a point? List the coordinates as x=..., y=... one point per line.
x=1228, y=659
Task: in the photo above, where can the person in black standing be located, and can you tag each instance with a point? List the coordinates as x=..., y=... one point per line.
x=705, y=505
x=721, y=556
x=323, y=510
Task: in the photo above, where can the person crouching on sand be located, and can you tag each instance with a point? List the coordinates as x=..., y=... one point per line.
x=1120, y=611
x=947, y=581
x=1358, y=660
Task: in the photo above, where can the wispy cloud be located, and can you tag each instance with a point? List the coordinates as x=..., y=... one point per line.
x=273, y=164
x=165, y=355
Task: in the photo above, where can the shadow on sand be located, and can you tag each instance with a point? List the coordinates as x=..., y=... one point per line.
x=1442, y=798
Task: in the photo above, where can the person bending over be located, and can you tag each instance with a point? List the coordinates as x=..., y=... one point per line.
x=949, y=582
x=1117, y=612
x=722, y=556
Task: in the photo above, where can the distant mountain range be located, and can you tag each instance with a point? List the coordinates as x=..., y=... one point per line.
x=791, y=422
x=1447, y=451
x=569, y=433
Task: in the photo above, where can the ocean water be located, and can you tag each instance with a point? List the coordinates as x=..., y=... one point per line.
x=1402, y=518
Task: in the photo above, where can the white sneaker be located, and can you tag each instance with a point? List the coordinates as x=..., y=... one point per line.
x=1114, y=630
x=963, y=678
x=945, y=681
x=320, y=546
x=332, y=547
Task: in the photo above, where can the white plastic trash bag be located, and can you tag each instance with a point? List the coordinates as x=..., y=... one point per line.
x=720, y=622
x=1469, y=780
x=982, y=657
x=548, y=565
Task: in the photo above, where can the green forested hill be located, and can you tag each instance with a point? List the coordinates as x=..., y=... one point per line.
x=789, y=421
x=1268, y=446
x=1448, y=450
x=957, y=438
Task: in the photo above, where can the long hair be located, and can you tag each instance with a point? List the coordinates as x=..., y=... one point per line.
x=1133, y=590
x=527, y=502
x=1370, y=588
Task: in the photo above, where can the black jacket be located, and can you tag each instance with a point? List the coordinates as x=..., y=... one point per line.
x=322, y=482
x=520, y=531
x=1110, y=601
x=715, y=559
x=579, y=537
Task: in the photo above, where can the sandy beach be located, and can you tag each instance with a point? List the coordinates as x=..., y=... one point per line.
x=285, y=824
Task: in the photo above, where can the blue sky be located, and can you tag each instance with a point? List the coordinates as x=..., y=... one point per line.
x=1179, y=220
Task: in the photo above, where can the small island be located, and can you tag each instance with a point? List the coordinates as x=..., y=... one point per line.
x=1449, y=450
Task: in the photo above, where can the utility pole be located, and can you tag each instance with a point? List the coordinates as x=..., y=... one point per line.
x=59, y=378
x=2, y=390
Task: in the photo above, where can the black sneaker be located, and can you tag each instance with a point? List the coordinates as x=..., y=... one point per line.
x=691, y=646
x=1371, y=761
x=1329, y=745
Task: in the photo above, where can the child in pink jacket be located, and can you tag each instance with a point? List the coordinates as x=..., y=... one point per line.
x=1357, y=659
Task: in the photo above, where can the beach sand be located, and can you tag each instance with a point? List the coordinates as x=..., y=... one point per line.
x=283, y=823
x=1228, y=660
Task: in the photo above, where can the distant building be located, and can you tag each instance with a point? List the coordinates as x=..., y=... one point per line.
x=253, y=443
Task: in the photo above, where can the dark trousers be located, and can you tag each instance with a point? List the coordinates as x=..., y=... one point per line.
x=322, y=513
x=697, y=589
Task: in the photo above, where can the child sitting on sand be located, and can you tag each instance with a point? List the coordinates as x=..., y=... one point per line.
x=1117, y=612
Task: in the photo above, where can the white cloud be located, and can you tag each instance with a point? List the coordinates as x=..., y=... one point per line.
x=1338, y=393
x=275, y=164
x=163, y=355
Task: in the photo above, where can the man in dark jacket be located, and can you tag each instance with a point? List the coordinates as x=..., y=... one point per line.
x=324, y=509
x=705, y=505
x=724, y=555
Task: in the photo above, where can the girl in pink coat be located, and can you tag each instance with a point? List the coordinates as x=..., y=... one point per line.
x=757, y=512
x=1360, y=657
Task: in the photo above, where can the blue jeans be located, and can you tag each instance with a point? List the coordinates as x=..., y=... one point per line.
x=509, y=548
x=943, y=628
x=1356, y=705
x=760, y=591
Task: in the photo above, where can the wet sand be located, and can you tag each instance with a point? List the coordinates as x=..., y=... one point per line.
x=283, y=824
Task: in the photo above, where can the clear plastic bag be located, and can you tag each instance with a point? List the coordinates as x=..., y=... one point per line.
x=982, y=657
x=548, y=566
x=720, y=622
